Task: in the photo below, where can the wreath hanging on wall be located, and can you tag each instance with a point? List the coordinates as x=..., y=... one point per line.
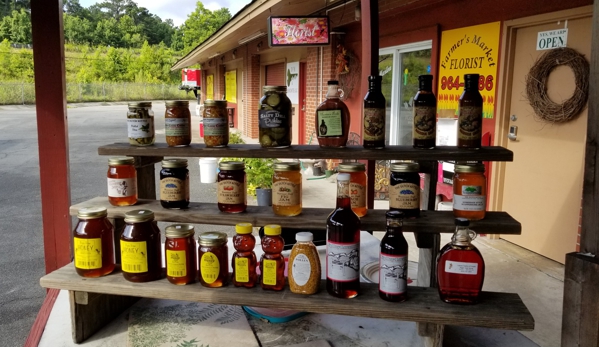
x=536, y=85
x=347, y=70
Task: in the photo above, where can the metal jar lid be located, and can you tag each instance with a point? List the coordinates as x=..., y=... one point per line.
x=174, y=163
x=138, y=216
x=274, y=89
x=218, y=103
x=179, y=230
x=175, y=103
x=92, y=212
x=212, y=238
x=121, y=161
x=351, y=167
x=286, y=166
x=468, y=168
x=231, y=165
x=405, y=167
x=140, y=104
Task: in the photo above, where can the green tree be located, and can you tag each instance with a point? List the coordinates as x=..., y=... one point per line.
x=202, y=23
x=17, y=27
x=77, y=30
x=116, y=8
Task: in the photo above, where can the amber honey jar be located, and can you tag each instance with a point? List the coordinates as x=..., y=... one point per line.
x=180, y=254
x=177, y=123
x=216, y=123
x=141, y=248
x=231, y=188
x=244, y=258
x=287, y=189
x=122, y=181
x=469, y=191
x=174, y=184
x=93, y=243
x=357, y=186
x=213, y=255
x=272, y=262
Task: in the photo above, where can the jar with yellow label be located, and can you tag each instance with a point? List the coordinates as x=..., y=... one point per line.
x=287, y=189
x=469, y=191
x=357, y=186
x=272, y=262
x=177, y=123
x=404, y=189
x=141, y=248
x=174, y=184
x=93, y=243
x=180, y=254
x=232, y=187
x=213, y=255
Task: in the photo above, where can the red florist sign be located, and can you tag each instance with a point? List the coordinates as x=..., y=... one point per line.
x=298, y=31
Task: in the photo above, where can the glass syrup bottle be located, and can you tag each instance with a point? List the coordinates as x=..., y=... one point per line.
x=393, y=260
x=470, y=118
x=332, y=119
x=460, y=267
x=424, y=131
x=343, y=245
x=374, y=114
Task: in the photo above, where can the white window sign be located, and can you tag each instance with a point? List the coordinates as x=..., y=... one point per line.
x=292, y=81
x=552, y=39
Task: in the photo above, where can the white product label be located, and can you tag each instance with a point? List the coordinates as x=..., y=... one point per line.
x=140, y=128
x=393, y=273
x=176, y=126
x=458, y=267
x=343, y=261
x=121, y=187
x=470, y=199
x=301, y=269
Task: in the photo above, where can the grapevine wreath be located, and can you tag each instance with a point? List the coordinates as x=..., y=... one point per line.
x=536, y=85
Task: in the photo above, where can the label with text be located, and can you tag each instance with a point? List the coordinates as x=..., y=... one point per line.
x=343, y=261
x=458, y=267
x=176, y=127
x=176, y=263
x=242, y=270
x=122, y=187
x=470, y=123
x=88, y=253
x=393, y=273
x=140, y=128
x=215, y=127
x=329, y=123
x=425, y=122
x=230, y=192
x=272, y=119
x=134, y=256
x=285, y=193
x=174, y=189
x=404, y=196
x=209, y=267
x=374, y=124
x=301, y=269
x=357, y=193
x=269, y=275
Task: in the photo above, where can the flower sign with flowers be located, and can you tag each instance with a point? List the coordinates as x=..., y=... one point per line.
x=294, y=31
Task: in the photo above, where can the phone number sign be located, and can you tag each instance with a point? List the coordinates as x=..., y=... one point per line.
x=463, y=51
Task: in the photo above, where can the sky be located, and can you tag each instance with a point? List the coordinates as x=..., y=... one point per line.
x=178, y=10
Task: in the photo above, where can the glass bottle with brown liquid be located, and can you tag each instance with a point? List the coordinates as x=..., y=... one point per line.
x=332, y=119
x=393, y=260
x=470, y=119
x=343, y=245
x=374, y=114
x=424, y=131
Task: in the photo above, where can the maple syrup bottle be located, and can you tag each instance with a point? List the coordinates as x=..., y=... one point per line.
x=424, y=131
x=393, y=260
x=460, y=267
x=374, y=114
x=470, y=118
x=332, y=119
x=343, y=245
x=272, y=262
x=244, y=258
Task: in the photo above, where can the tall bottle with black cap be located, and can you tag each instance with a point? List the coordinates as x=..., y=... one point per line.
x=470, y=118
x=374, y=114
x=424, y=131
x=393, y=260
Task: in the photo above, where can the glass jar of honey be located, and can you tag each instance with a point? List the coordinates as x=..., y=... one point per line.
x=213, y=254
x=232, y=187
x=177, y=123
x=404, y=188
x=93, y=243
x=174, y=184
x=180, y=254
x=122, y=181
x=357, y=186
x=141, y=248
x=469, y=191
x=287, y=189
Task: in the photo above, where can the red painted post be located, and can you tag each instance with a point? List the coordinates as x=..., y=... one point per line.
x=52, y=129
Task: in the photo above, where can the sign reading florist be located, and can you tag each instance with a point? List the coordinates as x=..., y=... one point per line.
x=298, y=31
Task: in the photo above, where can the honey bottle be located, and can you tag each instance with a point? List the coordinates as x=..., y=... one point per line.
x=272, y=262
x=244, y=258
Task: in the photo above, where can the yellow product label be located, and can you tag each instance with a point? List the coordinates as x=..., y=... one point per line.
x=209, y=267
x=357, y=193
x=176, y=263
x=134, y=256
x=404, y=196
x=269, y=275
x=88, y=253
x=230, y=192
x=286, y=193
x=242, y=270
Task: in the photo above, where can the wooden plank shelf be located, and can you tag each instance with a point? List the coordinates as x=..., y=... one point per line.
x=312, y=152
x=309, y=219
x=495, y=310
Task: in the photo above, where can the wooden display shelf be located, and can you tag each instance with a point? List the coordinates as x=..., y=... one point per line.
x=309, y=219
x=312, y=152
x=495, y=310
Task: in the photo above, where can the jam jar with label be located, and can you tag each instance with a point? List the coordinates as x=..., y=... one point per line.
x=141, y=248
x=174, y=184
x=469, y=191
x=122, y=181
x=93, y=243
x=287, y=189
x=404, y=189
x=180, y=254
x=216, y=123
x=140, y=124
x=274, y=117
x=357, y=186
x=213, y=255
x=232, y=186
x=177, y=123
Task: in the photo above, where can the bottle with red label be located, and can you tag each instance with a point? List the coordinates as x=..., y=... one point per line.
x=460, y=267
x=393, y=260
x=343, y=245
x=272, y=262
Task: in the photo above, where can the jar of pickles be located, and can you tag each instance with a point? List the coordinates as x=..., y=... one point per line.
x=177, y=123
x=122, y=181
x=274, y=120
x=469, y=191
x=216, y=126
x=93, y=243
x=287, y=189
x=231, y=188
x=140, y=124
x=180, y=254
x=404, y=188
x=141, y=248
x=357, y=186
x=213, y=254
x=174, y=184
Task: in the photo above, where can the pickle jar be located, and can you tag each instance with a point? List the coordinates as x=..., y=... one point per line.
x=213, y=255
x=287, y=189
x=140, y=124
x=469, y=191
x=180, y=254
x=357, y=186
x=93, y=243
x=174, y=184
x=274, y=117
x=404, y=188
x=231, y=187
x=216, y=124
x=177, y=123
x=122, y=181
x=141, y=248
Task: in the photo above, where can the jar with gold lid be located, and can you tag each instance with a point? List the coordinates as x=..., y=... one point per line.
x=404, y=188
x=140, y=124
x=216, y=125
x=177, y=123
x=174, y=184
x=287, y=189
x=180, y=254
x=213, y=254
x=232, y=187
x=122, y=181
x=141, y=247
x=469, y=191
x=93, y=243
x=357, y=186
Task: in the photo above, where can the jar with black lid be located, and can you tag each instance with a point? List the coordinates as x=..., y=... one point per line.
x=404, y=188
x=274, y=117
x=141, y=248
x=177, y=123
x=174, y=184
x=232, y=187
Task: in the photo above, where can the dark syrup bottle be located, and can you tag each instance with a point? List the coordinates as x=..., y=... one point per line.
x=424, y=131
x=374, y=114
x=470, y=118
x=393, y=260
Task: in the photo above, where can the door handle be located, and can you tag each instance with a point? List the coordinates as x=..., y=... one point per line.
x=513, y=134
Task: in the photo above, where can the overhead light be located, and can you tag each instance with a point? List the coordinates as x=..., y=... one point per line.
x=251, y=37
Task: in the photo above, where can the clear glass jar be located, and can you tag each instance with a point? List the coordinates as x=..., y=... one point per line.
x=141, y=247
x=216, y=124
x=469, y=191
x=174, y=184
x=213, y=255
x=177, y=123
x=274, y=120
x=93, y=243
x=287, y=189
x=140, y=124
x=122, y=181
x=232, y=187
x=180, y=254
x=358, y=191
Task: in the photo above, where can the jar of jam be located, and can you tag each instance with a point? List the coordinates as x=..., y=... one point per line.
x=244, y=258
x=357, y=186
x=174, y=184
x=141, y=248
x=180, y=254
x=287, y=189
x=274, y=120
x=231, y=189
x=469, y=191
x=214, y=259
x=177, y=123
x=404, y=190
x=216, y=123
x=272, y=262
x=122, y=181
x=140, y=124
x=93, y=243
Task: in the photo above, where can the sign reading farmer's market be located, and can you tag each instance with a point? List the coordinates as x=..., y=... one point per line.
x=298, y=31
